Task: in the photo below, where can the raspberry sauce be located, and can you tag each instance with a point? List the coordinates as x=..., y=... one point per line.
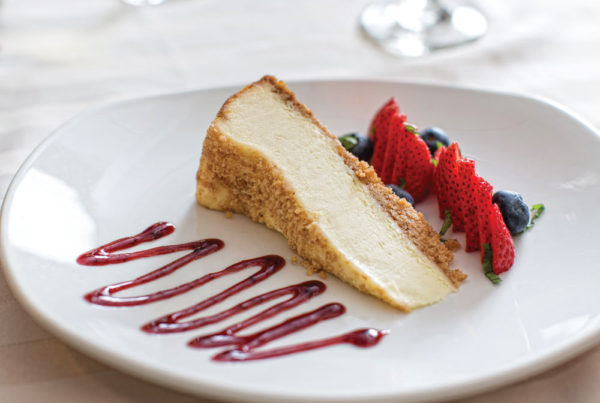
x=241, y=348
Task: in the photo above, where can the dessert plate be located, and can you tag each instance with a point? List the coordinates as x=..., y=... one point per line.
x=113, y=171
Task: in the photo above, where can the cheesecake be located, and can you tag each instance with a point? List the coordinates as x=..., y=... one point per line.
x=266, y=156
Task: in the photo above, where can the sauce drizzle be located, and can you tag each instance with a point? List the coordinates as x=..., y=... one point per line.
x=242, y=346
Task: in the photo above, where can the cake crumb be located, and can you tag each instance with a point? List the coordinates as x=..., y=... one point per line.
x=222, y=138
x=452, y=244
x=294, y=259
x=456, y=276
x=323, y=274
x=310, y=271
x=228, y=214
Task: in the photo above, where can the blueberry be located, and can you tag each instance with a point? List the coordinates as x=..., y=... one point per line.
x=360, y=146
x=514, y=210
x=403, y=194
x=434, y=135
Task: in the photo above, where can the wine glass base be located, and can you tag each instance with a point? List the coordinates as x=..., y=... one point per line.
x=405, y=28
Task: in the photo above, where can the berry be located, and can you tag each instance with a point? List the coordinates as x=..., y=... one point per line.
x=483, y=198
x=433, y=137
x=392, y=152
x=400, y=163
x=360, y=146
x=466, y=173
x=400, y=157
x=514, y=210
x=438, y=152
x=379, y=131
x=503, y=249
x=403, y=194
x=418, y=167
x=378, y=116
x=436, y=177
x=407, y=162
x=450, y=186
x=439, y=183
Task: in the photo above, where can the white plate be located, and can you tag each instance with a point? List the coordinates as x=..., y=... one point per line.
x=115, y=170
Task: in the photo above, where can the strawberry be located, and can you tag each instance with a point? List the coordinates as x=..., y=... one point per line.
x=444, y=165
x=442, y=202
x=379, y=133
x=503, y=249
x=393, y=152
x=377, y=118
x=483, y=199
x=436, y=156
x=449, y=182
x=399, y=174
x=466, y=173
x=457, y=186
x=418, y=166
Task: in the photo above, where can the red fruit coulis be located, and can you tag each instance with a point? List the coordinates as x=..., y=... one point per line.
x=238, y=348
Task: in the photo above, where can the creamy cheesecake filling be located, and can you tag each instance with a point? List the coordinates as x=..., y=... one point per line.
x=343, y=208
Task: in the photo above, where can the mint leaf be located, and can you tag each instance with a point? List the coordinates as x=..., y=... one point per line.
x=487, y=264
x=348, y=141
x=536, y=212
x=411, y=129
x=447, y=222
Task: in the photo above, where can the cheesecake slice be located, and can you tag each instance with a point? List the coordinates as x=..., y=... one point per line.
x=266, y=156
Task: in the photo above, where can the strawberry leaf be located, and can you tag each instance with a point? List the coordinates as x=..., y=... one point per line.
x=447, y=222
x=348, y=141
x=536, y=212
x=487, y=264
x=411, y=129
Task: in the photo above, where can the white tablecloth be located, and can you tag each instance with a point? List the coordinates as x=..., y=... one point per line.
x=62, y=56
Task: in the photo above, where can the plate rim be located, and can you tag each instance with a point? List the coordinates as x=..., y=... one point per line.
x=508, y=374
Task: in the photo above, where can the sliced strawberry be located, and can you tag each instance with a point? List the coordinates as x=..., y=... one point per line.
x=392, y=152
x=455, y=197
x=441, y=196
x=399, y=174
x=436, y=156
x=449, y=185
x=378, y=117
x=380, y=130
x=443, y=169
x=419, y=168
x=503, y=249
x=484, y=201
x=466, y=173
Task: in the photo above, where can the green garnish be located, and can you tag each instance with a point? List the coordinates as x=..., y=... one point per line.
x=411, y=129
x=536, y=212
x=434, y=162
x=447, y=222
x=401, y=182
x=348, y=141
x=487, y=264
x=373, y=131
x=438, y=144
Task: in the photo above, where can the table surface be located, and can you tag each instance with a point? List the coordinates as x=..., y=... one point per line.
x=58, y=58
